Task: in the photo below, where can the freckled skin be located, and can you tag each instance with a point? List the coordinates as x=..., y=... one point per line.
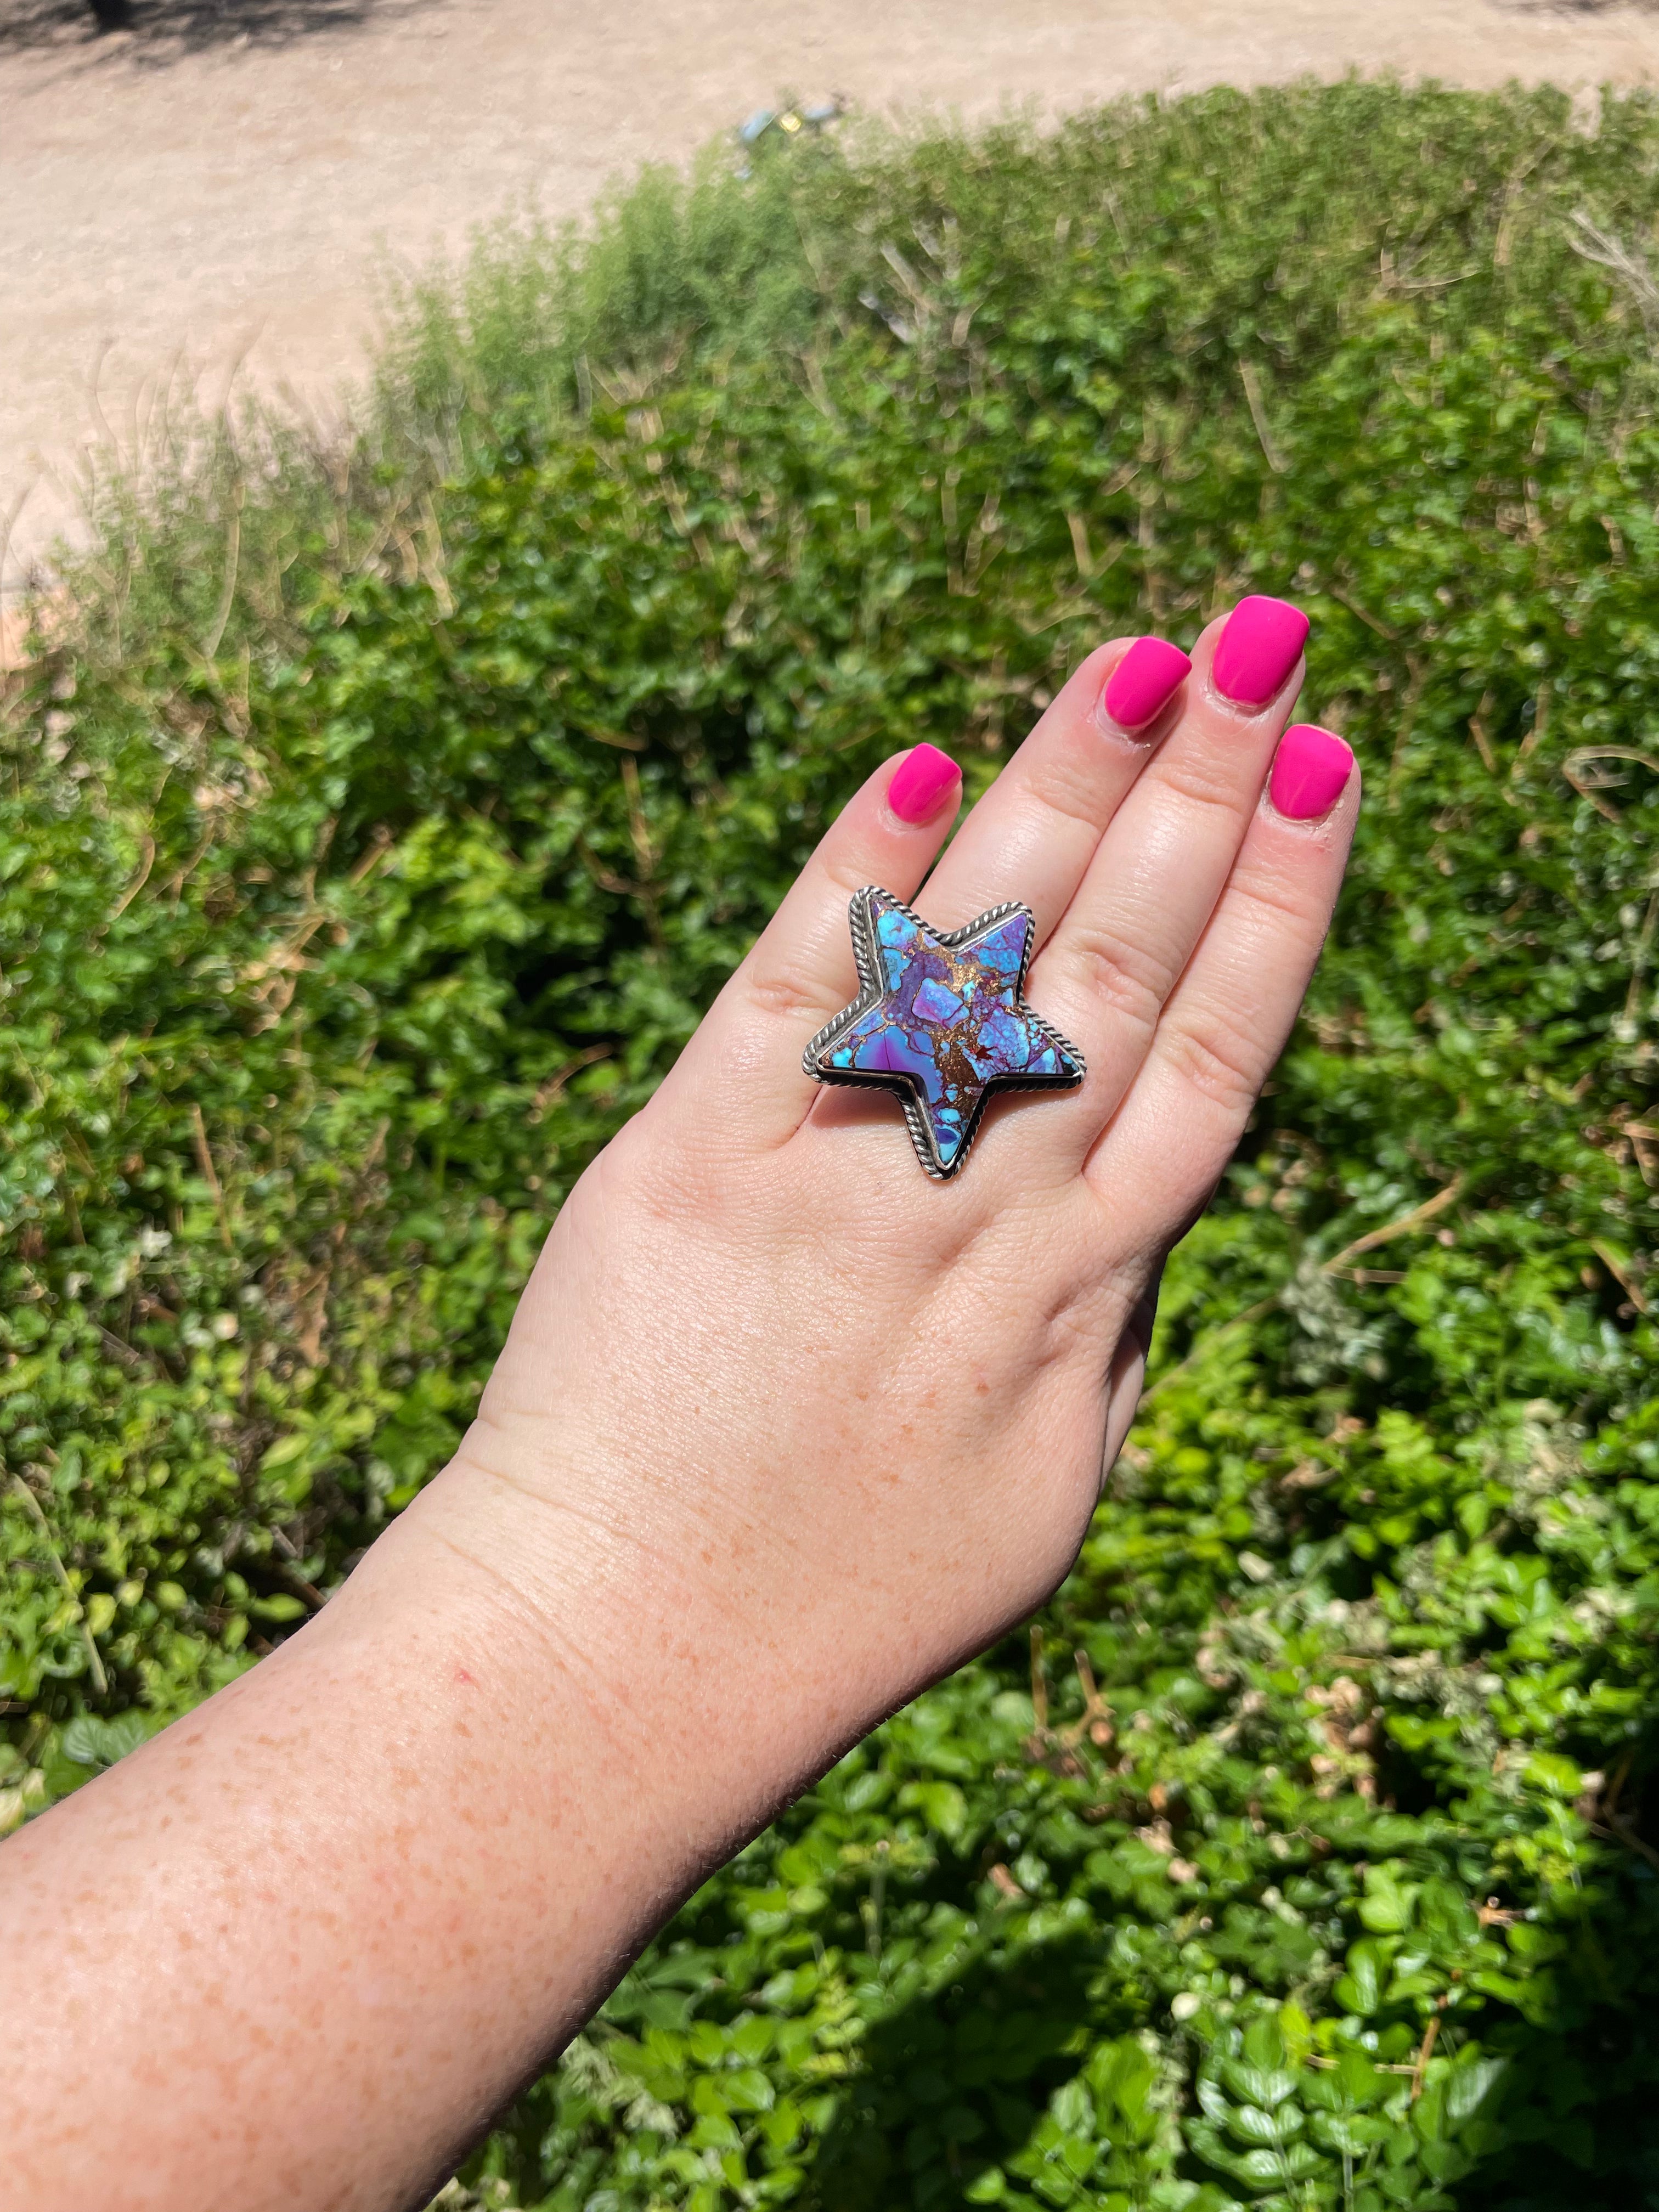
x=783, y=1431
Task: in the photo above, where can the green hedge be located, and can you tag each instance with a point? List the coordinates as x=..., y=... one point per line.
x=375, y=834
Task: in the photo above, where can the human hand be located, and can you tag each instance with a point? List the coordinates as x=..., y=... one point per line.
x=783, y=1429
x=828, y=1425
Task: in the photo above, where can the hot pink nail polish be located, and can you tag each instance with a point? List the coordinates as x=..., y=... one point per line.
x=1310, y=771
x=1144, y=682
x=920, y=782
x=1258, y=649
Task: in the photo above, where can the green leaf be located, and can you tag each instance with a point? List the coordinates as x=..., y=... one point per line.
x=1350, y=2133
x=942, y=1805
x=90, y=1741
x=1471, y=2082
x=1358, y=2079
x=279, y=1606
x=1560, y=1777
x=748, y=2090
x=285, y=1451
x=1074, y=2108
x=1258, y=2085
x=1360, y=1989
x=1263, y=2169
x=990, y=2187
x=1251, y=2125
x=1388, y=1904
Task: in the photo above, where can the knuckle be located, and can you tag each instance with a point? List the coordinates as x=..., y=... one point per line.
x=1217, y=1061
x=781, y=996
x=1063, y=790
x=657, y=1177
x=1206, y=782
x=844, y=873
x=1275, y=908
x=1126, y=979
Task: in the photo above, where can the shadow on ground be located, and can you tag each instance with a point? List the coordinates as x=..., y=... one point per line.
x=955, y=2083
x=165, y=30
x=958, y=2081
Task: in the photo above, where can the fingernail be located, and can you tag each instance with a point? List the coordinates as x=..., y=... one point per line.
x=918, y=786
x=1310, y=772
x=1144, y=682
x=1258, y=649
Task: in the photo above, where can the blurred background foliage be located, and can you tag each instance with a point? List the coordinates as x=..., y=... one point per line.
x=375, y=825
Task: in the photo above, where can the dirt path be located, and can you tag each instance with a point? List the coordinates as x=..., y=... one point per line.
x=215, y=186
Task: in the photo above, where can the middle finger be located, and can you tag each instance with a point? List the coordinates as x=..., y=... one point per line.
x=1032, y=836
x=1164, y=859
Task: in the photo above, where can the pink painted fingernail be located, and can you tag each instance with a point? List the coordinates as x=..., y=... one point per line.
x=1310, y=772
x=1144, y=682
x=918, y=786
x=1258, y=649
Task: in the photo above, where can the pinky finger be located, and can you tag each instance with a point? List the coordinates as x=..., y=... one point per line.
x=1225, y=1024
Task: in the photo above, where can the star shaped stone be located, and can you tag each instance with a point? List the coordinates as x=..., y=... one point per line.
x=942, y=1020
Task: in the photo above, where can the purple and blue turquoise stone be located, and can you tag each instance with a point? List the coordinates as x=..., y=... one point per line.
x=951, y=1022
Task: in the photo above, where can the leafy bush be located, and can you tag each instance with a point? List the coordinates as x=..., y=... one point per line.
x=374, y=835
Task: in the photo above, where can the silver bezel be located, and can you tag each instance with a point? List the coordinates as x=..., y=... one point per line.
x=861, y=913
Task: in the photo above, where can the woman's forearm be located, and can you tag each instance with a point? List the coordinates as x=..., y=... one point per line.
x=369, y=1889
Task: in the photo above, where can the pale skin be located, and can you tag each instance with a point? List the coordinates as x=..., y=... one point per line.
x=783, y=1431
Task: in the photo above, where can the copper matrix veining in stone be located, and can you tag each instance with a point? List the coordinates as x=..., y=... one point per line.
x=942, y=1021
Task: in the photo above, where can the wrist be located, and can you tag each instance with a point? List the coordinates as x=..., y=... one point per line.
x=654, y=1673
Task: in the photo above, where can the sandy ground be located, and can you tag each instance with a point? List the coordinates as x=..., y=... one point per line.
x=211, y=192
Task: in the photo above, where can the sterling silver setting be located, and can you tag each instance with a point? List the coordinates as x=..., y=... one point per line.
x=942, y=1022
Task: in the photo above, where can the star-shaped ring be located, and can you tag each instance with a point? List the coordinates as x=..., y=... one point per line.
x=943, y=1021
